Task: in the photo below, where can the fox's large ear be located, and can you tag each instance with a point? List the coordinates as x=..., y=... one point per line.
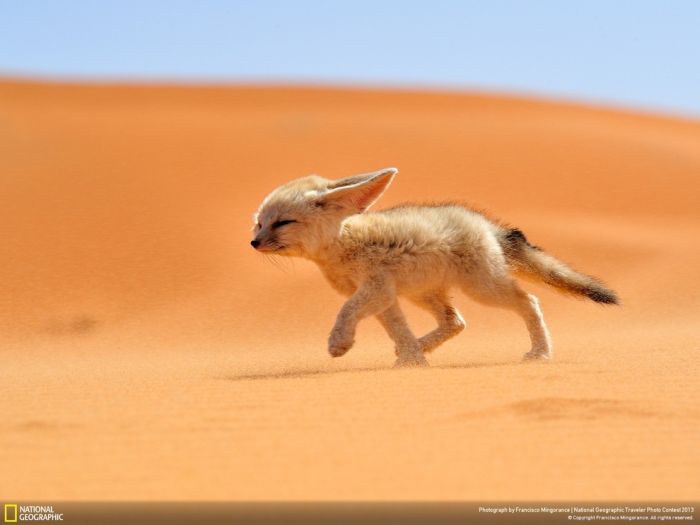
x=359, y=192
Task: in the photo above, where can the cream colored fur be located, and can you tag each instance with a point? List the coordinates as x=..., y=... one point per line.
x=418, y=252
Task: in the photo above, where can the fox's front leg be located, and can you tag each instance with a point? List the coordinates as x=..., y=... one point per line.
x=374, y=296
x=408, y=349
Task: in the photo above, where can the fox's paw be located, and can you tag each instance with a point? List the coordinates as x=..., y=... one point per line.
x=535, y=355
x=339, y=345
x=337, y=351
x=411, y=361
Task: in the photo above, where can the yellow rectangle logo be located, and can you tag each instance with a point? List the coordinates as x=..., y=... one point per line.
x=10, y=513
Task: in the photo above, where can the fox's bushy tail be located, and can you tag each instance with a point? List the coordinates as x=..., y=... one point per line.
x=532, y=262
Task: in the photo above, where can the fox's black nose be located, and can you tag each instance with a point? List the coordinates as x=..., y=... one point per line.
x=255, y=243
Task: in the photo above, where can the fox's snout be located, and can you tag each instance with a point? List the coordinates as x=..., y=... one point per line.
x=263, y=245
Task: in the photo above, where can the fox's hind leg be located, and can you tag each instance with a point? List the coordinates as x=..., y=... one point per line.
x=507, y=294
x=450, y=322
x=408, y=349
x=528, y=307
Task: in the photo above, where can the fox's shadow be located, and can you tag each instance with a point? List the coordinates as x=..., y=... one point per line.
x=300, y=374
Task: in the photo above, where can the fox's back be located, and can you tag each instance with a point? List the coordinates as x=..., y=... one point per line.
x=413, y=229
x=418, y=243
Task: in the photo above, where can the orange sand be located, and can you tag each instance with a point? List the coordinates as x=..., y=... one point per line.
x=149, y=353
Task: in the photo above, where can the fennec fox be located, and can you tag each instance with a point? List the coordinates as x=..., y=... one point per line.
x=419, y=252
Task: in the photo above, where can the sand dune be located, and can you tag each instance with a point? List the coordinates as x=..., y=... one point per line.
x=149, y=353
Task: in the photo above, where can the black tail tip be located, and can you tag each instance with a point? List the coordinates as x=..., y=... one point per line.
x=603, y=296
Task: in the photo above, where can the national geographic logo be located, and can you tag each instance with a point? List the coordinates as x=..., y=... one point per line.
x=13, y=513
x=10, y=513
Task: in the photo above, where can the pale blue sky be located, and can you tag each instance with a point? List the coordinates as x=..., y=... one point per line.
x=643, y=54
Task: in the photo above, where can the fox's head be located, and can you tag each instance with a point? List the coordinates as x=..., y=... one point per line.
x=303, y=216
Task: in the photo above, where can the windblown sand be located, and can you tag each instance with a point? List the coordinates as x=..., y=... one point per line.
x=149, y=353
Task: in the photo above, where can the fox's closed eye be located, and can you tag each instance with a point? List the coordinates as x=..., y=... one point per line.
x=279, y=224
